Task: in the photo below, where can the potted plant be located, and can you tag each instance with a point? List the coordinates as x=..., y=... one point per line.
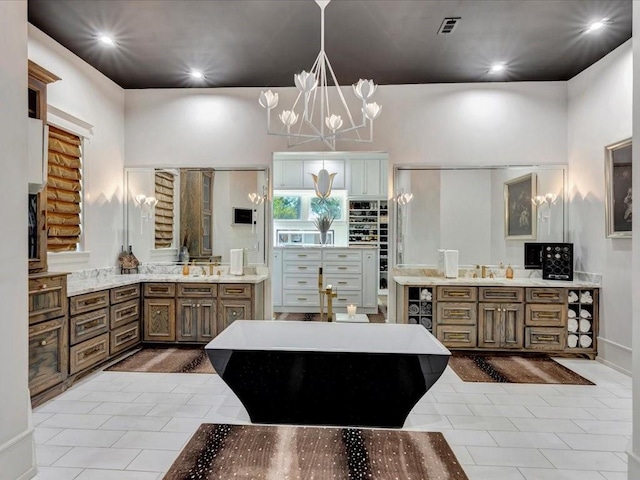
x=323, y=223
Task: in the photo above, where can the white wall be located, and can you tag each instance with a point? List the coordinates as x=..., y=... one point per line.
x=88, y=95
x=16, y=433
x=599, y=114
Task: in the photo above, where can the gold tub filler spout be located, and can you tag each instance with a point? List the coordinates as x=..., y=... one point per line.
x=330, y=294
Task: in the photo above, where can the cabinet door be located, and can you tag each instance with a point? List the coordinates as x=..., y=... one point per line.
x=187, y=323
x=159, y=320
x=48, y=354
x=372, y=177
x=357, y=181
x=512, y=326
x=489, y=325
x=232, y=310
x=370, y=280
x=276, y=279
x=287, y=174
x=207, y=320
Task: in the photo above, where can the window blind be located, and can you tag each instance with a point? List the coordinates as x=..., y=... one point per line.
x=164, y=209
x=63, y=190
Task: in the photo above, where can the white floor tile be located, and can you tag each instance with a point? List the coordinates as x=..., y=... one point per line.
x=42, y=434
x=153, y=461
x=47, y=455
x=500, y=411
x=617, y=402
x=561, y=412
x=614, y=475
x=479, y=387
x=164, y=398
x=114, y=408
x=509, y=457
x=547, y=474
x=57, y=473
x=39, y=417
x=68, y=406
x=183, y=411
x=529, y=440
x=442, y=409
x=463, y=455
x=583, y=460
x=597, y=443
x=151, y=424
x=187, y=425
x=153, y=440
x=492, y=473
x=481, y=423
x=150, y=387
x=100, y=458
x=614, y=414
x=203, y=389
x=93, y=474
x=206, y=399
x=546, y=425
x=469, y=438
x=572, y=401
x=472, y=398
x=85, y=438
x=431, y=423
x=601, y=427
x=71, y=420
x=111, y=397
x=517, y=399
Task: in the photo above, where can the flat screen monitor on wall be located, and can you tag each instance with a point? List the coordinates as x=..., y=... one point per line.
x=242, y=216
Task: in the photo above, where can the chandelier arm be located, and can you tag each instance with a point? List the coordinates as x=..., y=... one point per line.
x=344, y=102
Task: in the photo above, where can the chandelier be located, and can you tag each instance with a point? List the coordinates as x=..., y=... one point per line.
x=313, y=105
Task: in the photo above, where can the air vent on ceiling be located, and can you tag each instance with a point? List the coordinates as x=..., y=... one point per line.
x=449, y=24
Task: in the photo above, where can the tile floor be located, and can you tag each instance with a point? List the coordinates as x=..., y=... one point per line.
x=131, y=426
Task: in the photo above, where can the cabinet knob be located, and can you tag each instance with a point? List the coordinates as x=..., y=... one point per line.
x=198, y=305
x=43, y=343
x=43, y=286
x=235, y=314
x=157, y=312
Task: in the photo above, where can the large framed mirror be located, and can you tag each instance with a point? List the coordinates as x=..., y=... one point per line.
x=486, y=213
x=207, y=211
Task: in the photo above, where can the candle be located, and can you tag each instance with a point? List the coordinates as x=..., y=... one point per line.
x=351, y=311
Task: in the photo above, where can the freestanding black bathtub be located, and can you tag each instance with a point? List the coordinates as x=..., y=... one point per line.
x=317, y=373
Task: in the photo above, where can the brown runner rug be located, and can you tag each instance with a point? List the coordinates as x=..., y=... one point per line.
x=261, y=452
x=165, y=360
x=513, y=369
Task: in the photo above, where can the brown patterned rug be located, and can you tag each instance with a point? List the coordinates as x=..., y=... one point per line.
x=261, y=452
x=165, y=360
x=513, y=369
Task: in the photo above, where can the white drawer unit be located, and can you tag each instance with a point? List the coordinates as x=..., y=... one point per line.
x=342, y=269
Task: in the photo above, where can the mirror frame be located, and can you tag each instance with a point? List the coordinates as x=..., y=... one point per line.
x=393, y=210
x=609, y=198
x=266, y=214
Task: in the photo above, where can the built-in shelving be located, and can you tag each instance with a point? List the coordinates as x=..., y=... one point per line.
x=369, y=225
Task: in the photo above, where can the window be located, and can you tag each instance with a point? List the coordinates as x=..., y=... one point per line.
x=164, y=209
x=64, y=191
x=332, y=207
x=286, y=208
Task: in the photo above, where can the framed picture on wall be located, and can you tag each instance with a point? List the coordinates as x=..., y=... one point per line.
x=520, y=213
x=618, y=193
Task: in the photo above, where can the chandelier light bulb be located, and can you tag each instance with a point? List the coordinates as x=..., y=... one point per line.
x=268, y=99
x=334, y=122
x=305, y=81
x=551, y=198
x=288, y=117
x=372, y=110
x=364, y=89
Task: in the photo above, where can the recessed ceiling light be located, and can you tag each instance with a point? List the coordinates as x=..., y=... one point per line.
x=597, y=25
x=197, y=74
x=497, y=68
x=107, y=40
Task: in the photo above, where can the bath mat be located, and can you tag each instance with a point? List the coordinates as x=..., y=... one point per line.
x=165, y=360
x=513, y=369
x=261, y=452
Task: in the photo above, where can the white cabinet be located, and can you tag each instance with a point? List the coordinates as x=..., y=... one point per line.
x=276, y=279
x=288, y=174
x=332, y=166
x=367, y=177
x=369, y=279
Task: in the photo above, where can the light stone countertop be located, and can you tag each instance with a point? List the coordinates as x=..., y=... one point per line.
x=491, y=282
x=326, y=247
x=111, y=281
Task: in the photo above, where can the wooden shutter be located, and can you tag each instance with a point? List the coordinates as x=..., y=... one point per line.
x=63, y=190
x=164, y=209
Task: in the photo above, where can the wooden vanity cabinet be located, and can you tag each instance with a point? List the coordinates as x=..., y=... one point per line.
x=159, y=319
x=500, y=322
x=196, y=312
x=235, y=304
x=456, y=321
x=125, y=318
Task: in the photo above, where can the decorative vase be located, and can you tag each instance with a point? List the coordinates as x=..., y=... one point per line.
x=183, y=256
x=323, y=238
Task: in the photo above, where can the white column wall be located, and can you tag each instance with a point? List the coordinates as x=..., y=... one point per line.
x=16, y=433
x=599, y=114
x=88, y=95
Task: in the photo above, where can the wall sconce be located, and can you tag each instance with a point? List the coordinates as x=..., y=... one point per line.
x=403, y=198
x=146, y=205
x=256, y=198
x=547, y=199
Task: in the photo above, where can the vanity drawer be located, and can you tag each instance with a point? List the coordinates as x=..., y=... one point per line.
x=501, y=294
x=47, y=298
x=89, y=353
x=48, y=354
x=343, y=256
x=546, y=295
x=235, y=290
x=88, y=301
x=457, y=336
x=125, y=313
x=88, y=325
x=307, y=256
x=546, y=315
x=300, y=282
x=160, y=290
x=342, y=267
x=347, y=298
x=122, y=294
x=456, y=313
x=197, y=290
x=545, y=338
x=301, y=267
x=457, y=294
x=124, y=337
x=300, y=298
x=344, y=282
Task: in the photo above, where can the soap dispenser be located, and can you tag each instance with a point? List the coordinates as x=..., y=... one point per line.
x=509, y=272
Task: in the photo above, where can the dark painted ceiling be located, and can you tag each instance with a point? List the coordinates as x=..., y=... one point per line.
x=239, y=43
